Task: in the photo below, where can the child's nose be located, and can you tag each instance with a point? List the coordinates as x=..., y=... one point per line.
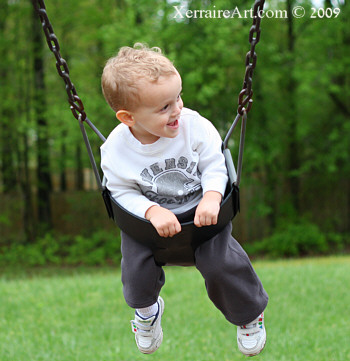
x=179, y=106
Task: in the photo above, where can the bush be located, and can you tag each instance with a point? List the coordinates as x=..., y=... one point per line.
x=292, y=240
x=338, y=242
x=100, y=248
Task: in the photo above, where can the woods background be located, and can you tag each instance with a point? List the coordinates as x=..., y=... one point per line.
x=295, y=190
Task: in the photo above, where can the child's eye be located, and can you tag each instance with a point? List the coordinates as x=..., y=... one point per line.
x=165, y=108
x=179, y=96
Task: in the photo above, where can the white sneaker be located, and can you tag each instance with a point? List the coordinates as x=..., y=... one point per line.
x=251, y=338
x=148, y=331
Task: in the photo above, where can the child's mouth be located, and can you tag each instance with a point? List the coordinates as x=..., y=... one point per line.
x=174, y=124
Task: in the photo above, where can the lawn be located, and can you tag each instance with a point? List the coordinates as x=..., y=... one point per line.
x=80, y=314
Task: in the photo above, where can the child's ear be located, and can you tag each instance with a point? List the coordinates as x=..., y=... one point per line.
x=125, y=117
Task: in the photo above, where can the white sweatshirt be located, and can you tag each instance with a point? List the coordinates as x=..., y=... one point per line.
x=172, y=172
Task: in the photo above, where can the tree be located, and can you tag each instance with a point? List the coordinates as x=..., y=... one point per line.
x=7, y=109
x=43, y=151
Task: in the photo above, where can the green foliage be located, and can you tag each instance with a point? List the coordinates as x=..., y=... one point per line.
x=297, y=150
x=298, y=239
x=100, y=248
x=338, y=242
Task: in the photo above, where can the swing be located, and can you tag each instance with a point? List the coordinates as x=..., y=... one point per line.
x=179, y=249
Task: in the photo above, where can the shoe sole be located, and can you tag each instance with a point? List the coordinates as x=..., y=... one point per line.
x=257, y=353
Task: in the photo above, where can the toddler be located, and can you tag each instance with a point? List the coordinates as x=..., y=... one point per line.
x=160, y=161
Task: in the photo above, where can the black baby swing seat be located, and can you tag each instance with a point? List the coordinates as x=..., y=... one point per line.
x=179, y=249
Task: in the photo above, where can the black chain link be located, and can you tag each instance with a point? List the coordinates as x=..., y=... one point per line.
x=76, y=104
x=245, y=100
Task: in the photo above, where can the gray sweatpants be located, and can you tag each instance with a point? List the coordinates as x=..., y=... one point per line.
x=231, y=282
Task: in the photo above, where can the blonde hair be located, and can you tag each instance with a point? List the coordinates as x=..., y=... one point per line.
x=123, y=74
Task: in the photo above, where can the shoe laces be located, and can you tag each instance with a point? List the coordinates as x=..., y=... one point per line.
x=145, y=327
x=253, y=327
x=141, y=328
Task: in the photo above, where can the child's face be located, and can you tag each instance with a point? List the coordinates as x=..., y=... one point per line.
x=158, y=115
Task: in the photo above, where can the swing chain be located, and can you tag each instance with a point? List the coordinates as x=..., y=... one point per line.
x=245, y=100
x=76, y=104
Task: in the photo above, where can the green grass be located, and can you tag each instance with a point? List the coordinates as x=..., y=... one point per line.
x=80, y=315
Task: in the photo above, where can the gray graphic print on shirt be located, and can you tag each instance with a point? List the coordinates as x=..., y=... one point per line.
x=174, y=184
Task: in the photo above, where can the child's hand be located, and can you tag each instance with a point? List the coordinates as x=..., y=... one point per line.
x=208, y=209
x=163, y=220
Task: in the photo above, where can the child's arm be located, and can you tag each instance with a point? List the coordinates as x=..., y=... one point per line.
x=163, y=220
x=208, y=209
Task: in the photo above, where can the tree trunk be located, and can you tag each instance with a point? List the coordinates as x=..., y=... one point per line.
x=7, y=113
x=43, y=157
x=79, y=169
x=293, y=160
x=63, y=157
x=23, y=150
